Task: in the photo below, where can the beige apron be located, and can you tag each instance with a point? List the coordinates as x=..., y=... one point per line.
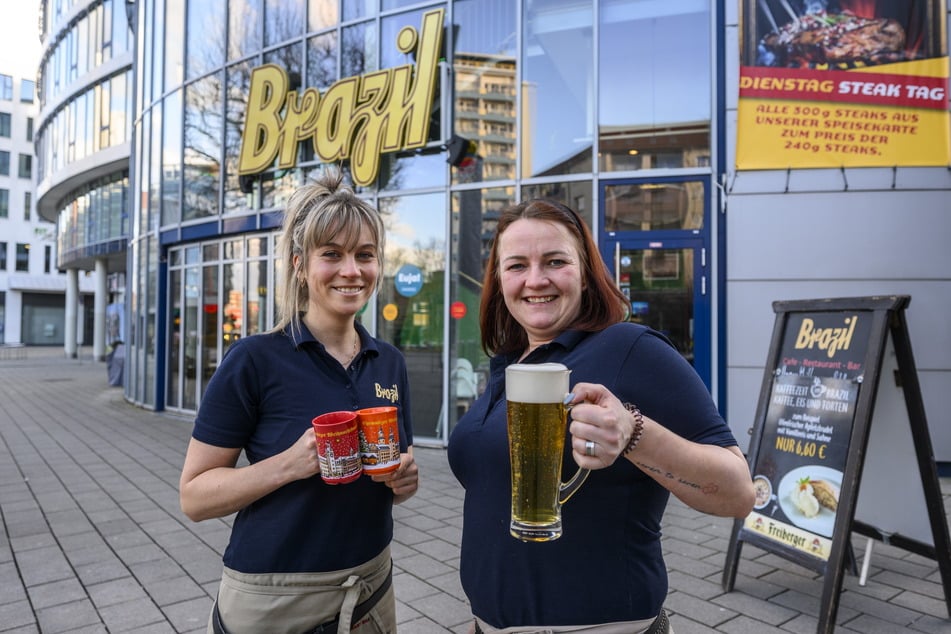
x=295, y=603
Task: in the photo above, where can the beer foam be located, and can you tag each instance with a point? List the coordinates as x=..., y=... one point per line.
x=536, y=382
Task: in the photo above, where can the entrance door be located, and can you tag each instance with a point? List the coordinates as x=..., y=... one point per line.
x=654, y=242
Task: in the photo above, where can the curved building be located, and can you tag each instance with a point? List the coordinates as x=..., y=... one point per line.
x=83, y=143
x=443, y=112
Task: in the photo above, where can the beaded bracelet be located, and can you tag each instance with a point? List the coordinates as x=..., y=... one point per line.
x=638, y=428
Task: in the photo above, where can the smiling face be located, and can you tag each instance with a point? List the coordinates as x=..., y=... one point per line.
x=541, y=278
x=340, y=280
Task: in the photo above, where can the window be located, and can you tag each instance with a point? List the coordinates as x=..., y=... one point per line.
x=29, y=129
x=3, y=256
x=655, y=113
x=5, y=124
x=48, y=259
x=27, y=203
x=4, y=163
x=6, y=87
x=23, y=257
x=27, y=90
x=4, y=203
x=26, y=166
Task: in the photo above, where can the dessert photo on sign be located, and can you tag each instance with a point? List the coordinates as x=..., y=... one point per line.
x=838, y=34
x=809, y=497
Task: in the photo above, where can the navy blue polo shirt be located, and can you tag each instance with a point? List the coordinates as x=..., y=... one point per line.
x=261, y=398
x=608, y=565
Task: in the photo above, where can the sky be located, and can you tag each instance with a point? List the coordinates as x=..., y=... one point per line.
x=19, y=38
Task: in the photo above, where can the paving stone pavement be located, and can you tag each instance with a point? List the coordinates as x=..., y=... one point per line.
x=92, y=538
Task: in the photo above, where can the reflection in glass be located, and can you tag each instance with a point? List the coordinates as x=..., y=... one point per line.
x=396, y=4
x=322, y=61
x=654, y=206
x=322, y=14
x=158, y=60
x=659, y=283
x=150, y=253
x=202, y=147
x=172, y=159
x=120, y=105
x=232, y=314
x=484, y=67
x=174, y=42
x=290, y=59
x=210, y=324
x=356, y=9
x=283, y=20
x=277, y=186
x=237, y=198
x=410, y=309
x=475, y=214
x=655, y=113
x=172, y=389
x=411, y=171
x=576, y=195
x=359, y=50
x=245, y=27
x=256, y=306
x=205, y=33
x=557, y=89
x=155, y=178
x=142, y=165
x=390, y=29
x=191, y=326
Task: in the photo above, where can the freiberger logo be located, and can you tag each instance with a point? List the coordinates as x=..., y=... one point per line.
x=358, y=118
x=829, y=339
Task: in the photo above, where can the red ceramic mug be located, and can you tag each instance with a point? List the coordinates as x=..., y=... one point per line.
x=338, y=447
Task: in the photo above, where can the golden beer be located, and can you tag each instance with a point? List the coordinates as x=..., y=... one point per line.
x=537, y=425
x=536, y=445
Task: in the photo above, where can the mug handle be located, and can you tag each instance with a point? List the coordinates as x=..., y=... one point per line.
x=567, y=489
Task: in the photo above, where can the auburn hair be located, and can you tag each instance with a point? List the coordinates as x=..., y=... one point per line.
x=602, y=302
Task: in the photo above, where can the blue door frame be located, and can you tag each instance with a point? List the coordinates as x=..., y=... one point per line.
x=682, y=245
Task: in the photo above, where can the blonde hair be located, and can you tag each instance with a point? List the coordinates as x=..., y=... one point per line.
x=317, y=214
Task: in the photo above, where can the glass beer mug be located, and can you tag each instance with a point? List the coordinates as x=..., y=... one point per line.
x=537, y=426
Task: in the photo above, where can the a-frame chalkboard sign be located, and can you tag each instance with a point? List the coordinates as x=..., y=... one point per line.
x=840, y=444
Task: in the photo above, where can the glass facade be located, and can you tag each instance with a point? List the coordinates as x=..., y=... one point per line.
x=542, y=96
x=85, y=93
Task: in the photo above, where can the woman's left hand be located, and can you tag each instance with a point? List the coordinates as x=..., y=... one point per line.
x=404, y=480
x=598, y=417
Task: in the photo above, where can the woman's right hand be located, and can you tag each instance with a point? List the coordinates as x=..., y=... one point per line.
x=301, y=457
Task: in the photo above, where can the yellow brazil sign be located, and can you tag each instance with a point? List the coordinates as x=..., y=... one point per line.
x=357, y=118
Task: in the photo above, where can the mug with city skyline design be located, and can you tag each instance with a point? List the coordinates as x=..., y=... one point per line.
x=379, y=431
x=338, y=447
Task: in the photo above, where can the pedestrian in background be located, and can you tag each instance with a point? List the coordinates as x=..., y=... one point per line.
x=304, y=553
x=641, y=420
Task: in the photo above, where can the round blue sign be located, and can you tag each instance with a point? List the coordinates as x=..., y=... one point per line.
x=409, y=280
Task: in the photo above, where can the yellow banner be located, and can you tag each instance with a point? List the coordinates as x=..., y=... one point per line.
x=816, y=92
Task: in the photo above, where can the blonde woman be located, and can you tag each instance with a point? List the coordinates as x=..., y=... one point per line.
x=304, y=556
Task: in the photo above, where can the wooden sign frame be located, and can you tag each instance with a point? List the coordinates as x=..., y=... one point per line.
x=814, y=421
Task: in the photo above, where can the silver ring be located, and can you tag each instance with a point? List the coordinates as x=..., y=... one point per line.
x=589, y=447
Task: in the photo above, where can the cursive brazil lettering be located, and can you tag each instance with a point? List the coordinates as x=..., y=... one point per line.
x=392, y=394
x=357, y=118
x=829, y=339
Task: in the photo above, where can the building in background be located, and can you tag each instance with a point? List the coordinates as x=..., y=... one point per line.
x=32, y=290
x=629, y=111
x=83, y=134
